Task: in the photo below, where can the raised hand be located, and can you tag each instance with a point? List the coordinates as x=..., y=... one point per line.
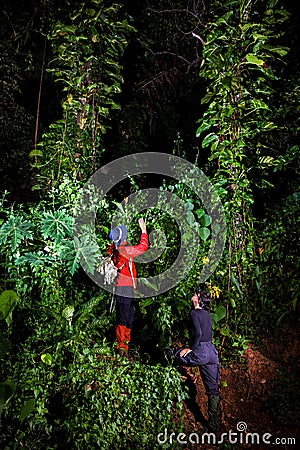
x=142, y=225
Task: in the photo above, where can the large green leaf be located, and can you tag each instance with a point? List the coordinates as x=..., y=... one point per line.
x=7, y=390
x=211, y=137
x=219, y=314
x=47, y=359
x=205, y=126
x=252, y=59
x=72, y=257
x=15, y=230
x=27, y=409
x=205, y=220
x=35, y=259
x=204, y=233
x=56, y=225
x=8, y=301
x=85, y=251
x=5, y=346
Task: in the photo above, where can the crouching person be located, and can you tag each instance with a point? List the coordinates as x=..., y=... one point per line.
x=204, y=354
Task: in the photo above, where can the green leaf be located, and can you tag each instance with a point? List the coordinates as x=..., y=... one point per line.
x=68, y=314
x=190, y=217
x=207, y=98
x=68, y=28
x=214, y=146
x=87, y=252
x=15, y=230
x=27, y=409
x=56, y=225
x=237, y=285
x=259, y=104
x=282, y=51
x=8, y=301
x=35, y=259
x=232, y=303
x=208, y=139
x=205, y=126
x=205, y=220
x=5, y=346
x=147, y=302
x=219, y=314
x=148, y=283
x=7, y=390
x=226, y=81
x=252, y=59
x=204, y=233
x=269, y=126
x=71, y=255
x=200, y=212
x=36, y=152
x=47, y=359
x=267, y=161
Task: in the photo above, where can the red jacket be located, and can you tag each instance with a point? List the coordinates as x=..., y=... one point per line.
x=123, y=260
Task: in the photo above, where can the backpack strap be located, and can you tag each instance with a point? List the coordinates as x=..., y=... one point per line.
x=112, y=302
x=131, y=273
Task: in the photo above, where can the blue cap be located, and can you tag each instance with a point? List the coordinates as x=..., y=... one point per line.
x=118, y=235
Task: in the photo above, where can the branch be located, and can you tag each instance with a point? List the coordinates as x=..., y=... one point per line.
x=171, y=54
x=199, y=37
x=175, y=10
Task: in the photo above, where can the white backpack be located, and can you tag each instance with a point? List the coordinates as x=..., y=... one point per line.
x=108, y=269
x=110, y=272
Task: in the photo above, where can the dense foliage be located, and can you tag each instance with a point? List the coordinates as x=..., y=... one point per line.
x=241, y=61
x=227, y=66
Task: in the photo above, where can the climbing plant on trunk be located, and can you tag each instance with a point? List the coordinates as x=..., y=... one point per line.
x=87, y=47
x=241, y=58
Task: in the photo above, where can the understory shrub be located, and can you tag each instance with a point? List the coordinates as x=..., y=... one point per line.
x=84, y=396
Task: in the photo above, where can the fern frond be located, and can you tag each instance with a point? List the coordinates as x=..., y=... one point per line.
x=68, y=314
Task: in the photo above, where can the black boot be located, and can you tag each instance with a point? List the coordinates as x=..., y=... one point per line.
x=213, y=413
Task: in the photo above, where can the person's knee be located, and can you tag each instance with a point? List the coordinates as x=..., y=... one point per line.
x=213, y=390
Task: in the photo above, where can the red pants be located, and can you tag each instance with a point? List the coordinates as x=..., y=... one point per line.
x=123, y=335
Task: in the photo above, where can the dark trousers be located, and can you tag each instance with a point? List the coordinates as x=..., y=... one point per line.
x=124, y=311
x=206, y=357
x=124, y=305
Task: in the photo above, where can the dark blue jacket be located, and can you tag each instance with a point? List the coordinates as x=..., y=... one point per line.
x=201, y=323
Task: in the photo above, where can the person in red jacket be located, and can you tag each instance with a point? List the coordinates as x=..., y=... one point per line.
x=123, y=258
